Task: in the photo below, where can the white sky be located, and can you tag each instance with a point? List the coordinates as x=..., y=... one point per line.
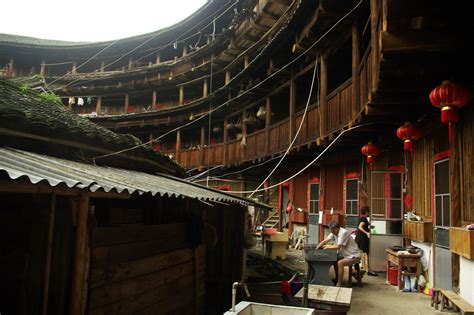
x=91, y=20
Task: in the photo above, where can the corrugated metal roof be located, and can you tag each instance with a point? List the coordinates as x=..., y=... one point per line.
x=42, y=168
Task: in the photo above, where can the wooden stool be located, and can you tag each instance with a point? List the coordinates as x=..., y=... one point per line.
x=435, y=297
x=358, y=273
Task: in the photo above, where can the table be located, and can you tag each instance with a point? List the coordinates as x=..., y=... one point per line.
x=275, y=245
x=328, y=298
x=319, y=262
x=402, y=261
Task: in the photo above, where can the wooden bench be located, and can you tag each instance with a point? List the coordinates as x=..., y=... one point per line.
x=450, y=299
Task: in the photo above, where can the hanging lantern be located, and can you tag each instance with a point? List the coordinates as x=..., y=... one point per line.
x=408, y=133
x=371, y=150
x=450, y=97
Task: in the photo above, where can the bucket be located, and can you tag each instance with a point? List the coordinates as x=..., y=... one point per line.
x=392, y=275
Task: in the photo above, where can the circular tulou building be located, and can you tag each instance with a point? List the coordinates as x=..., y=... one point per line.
x=274, y=99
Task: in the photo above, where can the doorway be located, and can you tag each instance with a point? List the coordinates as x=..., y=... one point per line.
x=386, y=214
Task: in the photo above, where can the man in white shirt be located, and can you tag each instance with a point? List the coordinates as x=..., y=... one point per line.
x=347, y=248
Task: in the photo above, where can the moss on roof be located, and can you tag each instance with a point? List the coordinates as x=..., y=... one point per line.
x=25, y=110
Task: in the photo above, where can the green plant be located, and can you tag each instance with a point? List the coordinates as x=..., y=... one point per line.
x=50, y=97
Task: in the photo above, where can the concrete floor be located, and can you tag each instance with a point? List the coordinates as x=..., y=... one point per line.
x=374, y=296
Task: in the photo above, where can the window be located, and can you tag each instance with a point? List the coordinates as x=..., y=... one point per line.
x=441, y=193
x=395, y=196
x=313, y=197
x=387, y=194
x=352, y=196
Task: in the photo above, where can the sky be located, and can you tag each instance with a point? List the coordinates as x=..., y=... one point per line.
x=92, y=20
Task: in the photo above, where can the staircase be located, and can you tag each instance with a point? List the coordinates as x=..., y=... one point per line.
x=272, y=220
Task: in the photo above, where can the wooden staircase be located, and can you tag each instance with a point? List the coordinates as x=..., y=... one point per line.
x=272, y=220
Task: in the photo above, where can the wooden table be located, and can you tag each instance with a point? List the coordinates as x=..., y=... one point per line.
x=402, y=261
x=328, y=298
x=275, y=245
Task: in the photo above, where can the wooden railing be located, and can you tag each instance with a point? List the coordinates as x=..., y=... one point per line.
x=341, y=109
x=339, y=106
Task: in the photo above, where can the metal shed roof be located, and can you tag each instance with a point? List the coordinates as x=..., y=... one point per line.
x=42, y=168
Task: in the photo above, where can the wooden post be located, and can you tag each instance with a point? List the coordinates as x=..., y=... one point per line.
x=355, y=63
x=153, y=100
x=224, y=140
x=292, y=108
x=125, y=107
x=268, y=123
x=11, y=68
x=49, y=250
x=322, y=97
x=246, y=61
x=455, y=180
x=79, y=262
x=74, y=68
x=178, y=144
x=185, y=50
x=201, y=149
x=244, y=134
x=102, y=66
x=158, y=58
x=227, y=77
x=181, y=95
x=205, y=89
x=130, y=62
x=374, y=11
x=98, y=105
x=43, y=68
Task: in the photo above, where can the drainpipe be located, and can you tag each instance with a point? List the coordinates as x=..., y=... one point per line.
x=234, y=292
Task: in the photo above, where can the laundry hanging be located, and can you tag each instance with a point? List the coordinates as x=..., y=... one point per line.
x=80, y=101
x=71, y=101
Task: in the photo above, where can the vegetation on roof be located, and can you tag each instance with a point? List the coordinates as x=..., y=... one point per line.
x=40, y=113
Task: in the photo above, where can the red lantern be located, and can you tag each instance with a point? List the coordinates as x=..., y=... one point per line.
x=408, y=133
x=449, y=97
x=371, y=150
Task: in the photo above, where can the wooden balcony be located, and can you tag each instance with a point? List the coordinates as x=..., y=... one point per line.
x=341, y=108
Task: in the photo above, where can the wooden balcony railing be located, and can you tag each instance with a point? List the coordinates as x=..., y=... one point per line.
x=341, y=109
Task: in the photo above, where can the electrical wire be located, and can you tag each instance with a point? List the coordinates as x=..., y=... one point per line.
x=299, y=128
x=308, y=165
x=241, y=94
x=129, y=52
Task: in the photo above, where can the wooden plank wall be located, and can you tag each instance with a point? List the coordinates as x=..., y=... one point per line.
x=300, y=188
x=422, y=165
x=224, y=255
x=467, y=153
x=144, y=269
x=332, y=186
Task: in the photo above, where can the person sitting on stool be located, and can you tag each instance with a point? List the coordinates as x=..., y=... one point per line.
x=348, y=251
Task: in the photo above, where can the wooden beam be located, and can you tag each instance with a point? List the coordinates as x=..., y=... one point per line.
x=178, y=145
x=268, y=123
x=79, y=263
x=43, y=69
x=98, y=105
x=153, y=99
x=205, y=88
x=201, y=147
x=374, y=14
x=416, y=41
x=227, y=77
x=244, y=134
x=455, y=181
x=355, y=63
x=125, y=106
x=49, y=251
x=292, y=108
x=322, y=95
x=224, y=140
x=181, y=95
x=15, y=186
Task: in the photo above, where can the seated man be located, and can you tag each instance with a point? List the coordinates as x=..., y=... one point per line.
x=348, y=251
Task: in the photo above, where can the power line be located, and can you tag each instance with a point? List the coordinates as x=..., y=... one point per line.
x=243, y=93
